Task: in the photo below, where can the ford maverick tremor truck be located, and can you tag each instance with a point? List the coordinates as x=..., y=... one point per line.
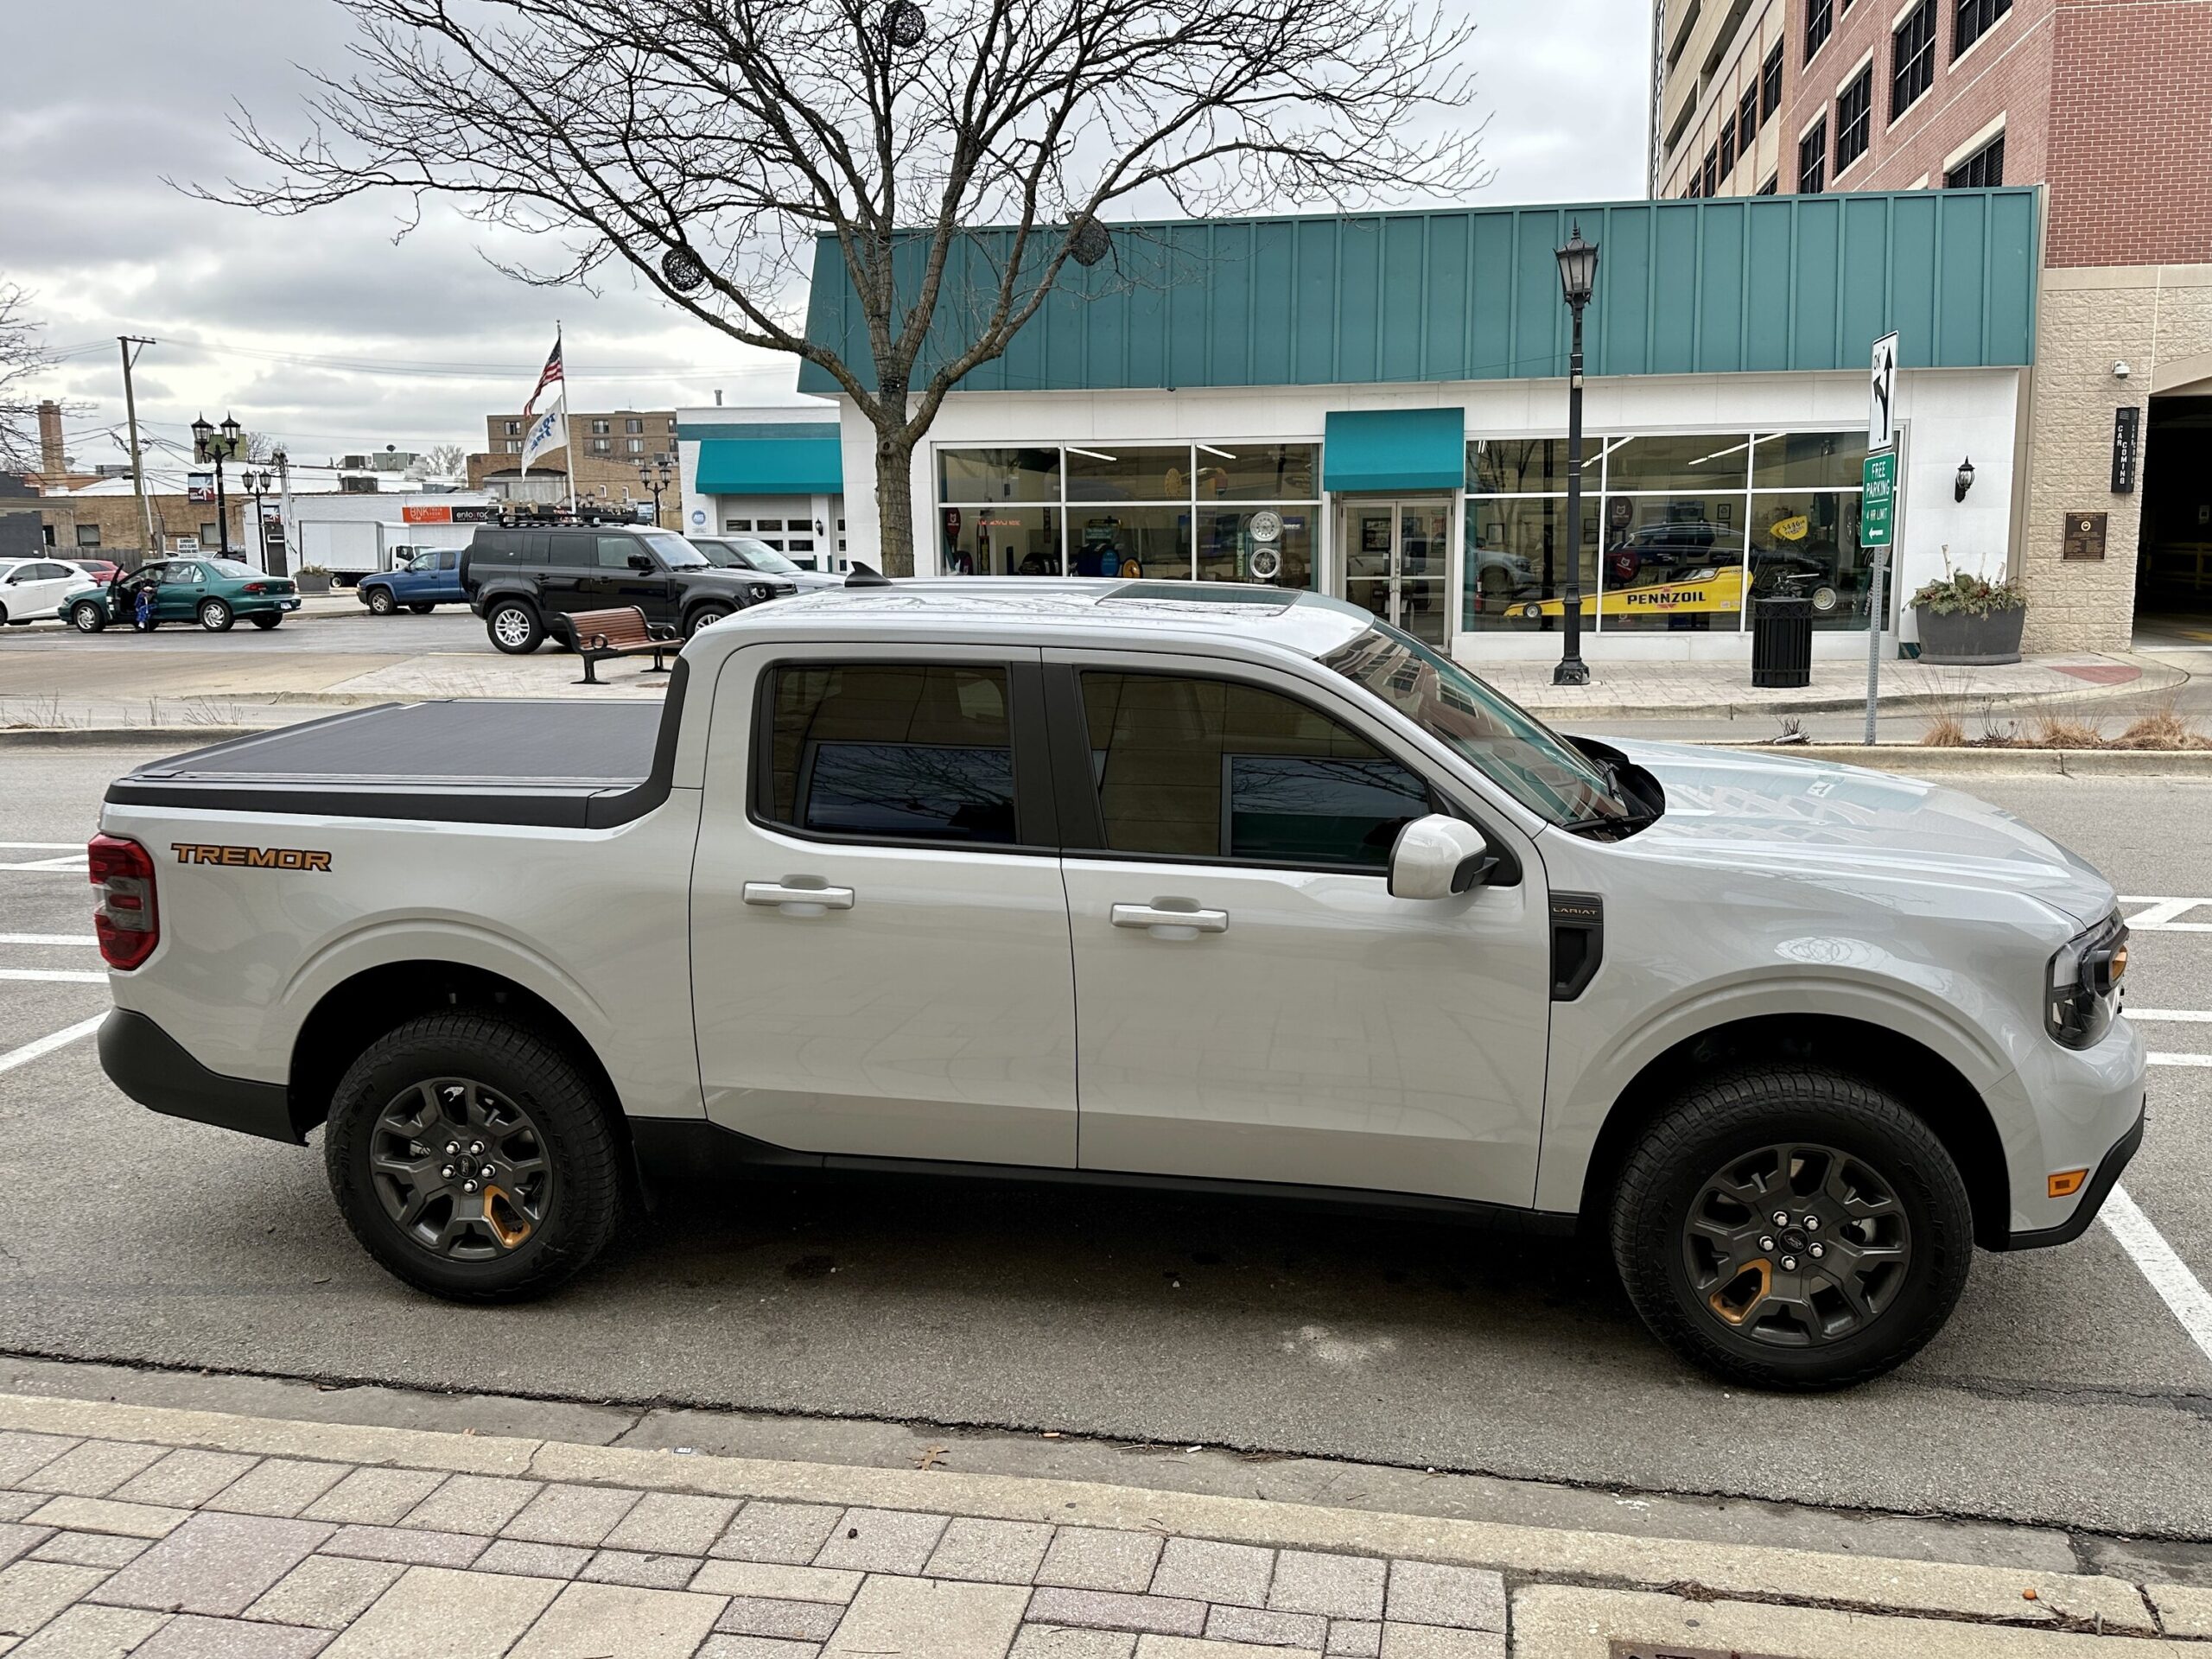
x=1221, y=886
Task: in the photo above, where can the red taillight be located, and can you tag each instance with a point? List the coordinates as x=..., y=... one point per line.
x=254, y=587
x=126, y=919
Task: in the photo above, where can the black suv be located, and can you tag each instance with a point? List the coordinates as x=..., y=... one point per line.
x=523, y=581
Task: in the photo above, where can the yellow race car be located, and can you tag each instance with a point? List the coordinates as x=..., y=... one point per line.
x=1708, y=590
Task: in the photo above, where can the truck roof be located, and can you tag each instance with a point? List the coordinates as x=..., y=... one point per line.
x=1040, y=610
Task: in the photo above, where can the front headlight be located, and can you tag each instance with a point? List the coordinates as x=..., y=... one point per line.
x=757, y=591
x=2082, y=984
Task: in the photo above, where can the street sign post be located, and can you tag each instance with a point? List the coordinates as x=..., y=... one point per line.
x=1877, y=501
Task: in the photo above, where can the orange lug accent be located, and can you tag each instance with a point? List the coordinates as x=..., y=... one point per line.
x=1736, y=1316
x=508, y=1236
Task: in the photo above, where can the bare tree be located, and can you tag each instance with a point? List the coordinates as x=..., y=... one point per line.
x=23, y=356
x=708, y=144
x=444, y=461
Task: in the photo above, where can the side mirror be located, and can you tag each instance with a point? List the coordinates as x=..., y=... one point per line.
x=641, y=562
x=1438, y=857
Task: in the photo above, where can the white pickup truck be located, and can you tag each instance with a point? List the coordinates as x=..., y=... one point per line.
x=1220, y=888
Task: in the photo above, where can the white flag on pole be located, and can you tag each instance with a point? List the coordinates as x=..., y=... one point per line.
x=549, y=431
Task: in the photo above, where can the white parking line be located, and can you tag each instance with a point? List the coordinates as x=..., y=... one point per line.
x=2162, y=914
x=32, y=1050
x=2195, y=1016
x=71, y=864
x=42, y=846
x=90, y=940
x=2181, y=1059
x=56, y=976
x=2168, y=1273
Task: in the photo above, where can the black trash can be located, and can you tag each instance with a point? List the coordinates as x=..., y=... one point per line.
x=1781, y=641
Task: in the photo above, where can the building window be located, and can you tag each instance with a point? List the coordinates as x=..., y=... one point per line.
x=637, y=446
x=1813, y=159
x=671, y=422
x=88, y=535
x=633, y=424
x=1747, y=120
x=211, y=534
x=1912, y=58
x=1854, y=110
x=1980, y=171
x=513, y=428
x=1709, y=175
x=602, y=446
x=1727, y=147
x=514, y=446
x=1975, y=19
x=1770, y=83
x=600, y=428
x=1773, y=183
x=1820, y=23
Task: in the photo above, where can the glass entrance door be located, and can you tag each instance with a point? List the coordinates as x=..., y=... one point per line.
x=1396, y=562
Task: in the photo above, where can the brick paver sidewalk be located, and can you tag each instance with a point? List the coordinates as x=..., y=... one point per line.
x=175, y=1534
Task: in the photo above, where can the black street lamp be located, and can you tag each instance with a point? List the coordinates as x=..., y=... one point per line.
x=257, y=485
x=206, y=445
x=657, y=478
x=1578, y=275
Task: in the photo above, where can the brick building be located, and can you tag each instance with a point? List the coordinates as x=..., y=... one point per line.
x=2109, y=108
x=611, y=446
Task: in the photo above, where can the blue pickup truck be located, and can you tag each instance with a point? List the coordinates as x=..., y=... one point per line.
x=432, y=577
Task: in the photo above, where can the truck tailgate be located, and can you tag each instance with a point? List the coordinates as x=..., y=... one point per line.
x=564, y=763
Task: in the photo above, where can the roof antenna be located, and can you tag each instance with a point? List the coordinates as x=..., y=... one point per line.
x=863, y=575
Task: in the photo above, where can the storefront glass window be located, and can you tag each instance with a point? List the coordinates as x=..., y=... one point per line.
x=1807, y=542
x=1257, y=472
x=1701, y=461
x=1123, y=472
x=1227, y=546
x=1674, y=561
x=1113, y=541
x=1519, y=465
x=998, y=475
x=1807, y=460
x=1517, y=569
x=1000, y=541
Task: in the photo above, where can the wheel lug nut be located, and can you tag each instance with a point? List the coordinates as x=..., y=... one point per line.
x=1767, y=1242
x=1819, y=1251
x=452, y=1147
x=476, y=1149
x=487, y=1171
x=468, y=1186
x=1782, y=1217
x=1790, y=1264
x=447, y=1172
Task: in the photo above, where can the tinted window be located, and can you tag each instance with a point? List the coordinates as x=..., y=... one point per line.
x=1199, y=768
x=564, y=552
x=892, y=752
x=614, y=552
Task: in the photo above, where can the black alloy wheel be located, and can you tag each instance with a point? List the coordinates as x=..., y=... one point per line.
x=460, y=1169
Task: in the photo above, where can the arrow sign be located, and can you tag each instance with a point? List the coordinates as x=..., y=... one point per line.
x=1881, y=395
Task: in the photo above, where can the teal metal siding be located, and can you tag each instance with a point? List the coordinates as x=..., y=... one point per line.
x=1733, y=285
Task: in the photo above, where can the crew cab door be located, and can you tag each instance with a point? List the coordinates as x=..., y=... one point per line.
x=1302, y=1025
x=880, y=964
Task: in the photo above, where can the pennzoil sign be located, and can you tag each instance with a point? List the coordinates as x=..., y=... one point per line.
x=252, y=858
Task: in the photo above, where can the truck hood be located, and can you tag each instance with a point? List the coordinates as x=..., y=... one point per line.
x=1817, y=818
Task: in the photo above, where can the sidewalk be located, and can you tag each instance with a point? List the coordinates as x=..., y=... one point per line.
x=169, y=1534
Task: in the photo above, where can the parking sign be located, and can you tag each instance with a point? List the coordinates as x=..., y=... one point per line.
x=1879, y=479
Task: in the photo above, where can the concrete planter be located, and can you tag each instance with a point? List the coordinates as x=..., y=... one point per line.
x=1961, y=639
x=317, y=583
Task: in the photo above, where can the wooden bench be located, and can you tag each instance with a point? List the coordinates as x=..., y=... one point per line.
x=622, y=631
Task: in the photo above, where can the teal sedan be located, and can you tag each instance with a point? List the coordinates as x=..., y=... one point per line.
x=214, y=593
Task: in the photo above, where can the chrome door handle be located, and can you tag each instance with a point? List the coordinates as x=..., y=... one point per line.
x=1171, y=923
x=797, y=901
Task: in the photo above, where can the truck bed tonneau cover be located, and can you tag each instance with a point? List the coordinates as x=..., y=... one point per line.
x=562, y=763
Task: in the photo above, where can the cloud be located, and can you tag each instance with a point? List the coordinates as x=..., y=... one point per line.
x=280, y=320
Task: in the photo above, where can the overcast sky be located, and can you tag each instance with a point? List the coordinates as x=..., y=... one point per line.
x=326, y=333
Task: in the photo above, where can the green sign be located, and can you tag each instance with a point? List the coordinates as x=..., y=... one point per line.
x=1878, y=506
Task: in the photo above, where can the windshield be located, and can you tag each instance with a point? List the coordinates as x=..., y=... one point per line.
x=1514, y=750
x=676, y=553
x=744, y=551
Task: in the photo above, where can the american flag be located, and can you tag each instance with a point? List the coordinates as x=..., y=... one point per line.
x=551, y=374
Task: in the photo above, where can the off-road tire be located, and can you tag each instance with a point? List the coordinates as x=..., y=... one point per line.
x=522, y=638
x=1725, y=1116
x=577, y=1130
x=381, y=603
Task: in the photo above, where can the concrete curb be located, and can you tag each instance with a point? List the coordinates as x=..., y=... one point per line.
x=1986, y=1595
x=1913, y=758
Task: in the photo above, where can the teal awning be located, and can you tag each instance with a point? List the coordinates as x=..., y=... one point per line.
x=771, y=467
x=1394, y=450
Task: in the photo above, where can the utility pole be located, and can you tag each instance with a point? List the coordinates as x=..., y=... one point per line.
x=137, y=462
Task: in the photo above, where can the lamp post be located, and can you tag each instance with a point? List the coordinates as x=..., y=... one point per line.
x=657, y=478
x=1578, y=275
x=256, y=485
x=280, y=559
x=216, y=444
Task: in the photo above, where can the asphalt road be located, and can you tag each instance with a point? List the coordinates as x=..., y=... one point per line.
x=2065, y=1390
x=339, y=625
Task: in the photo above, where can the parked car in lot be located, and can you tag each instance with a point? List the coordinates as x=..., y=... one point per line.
x=214, y=593
x=748, y=553
x=526, y=582
x=101, y=571
x=32, y=590
x=1231, y=888
x=429, y=579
